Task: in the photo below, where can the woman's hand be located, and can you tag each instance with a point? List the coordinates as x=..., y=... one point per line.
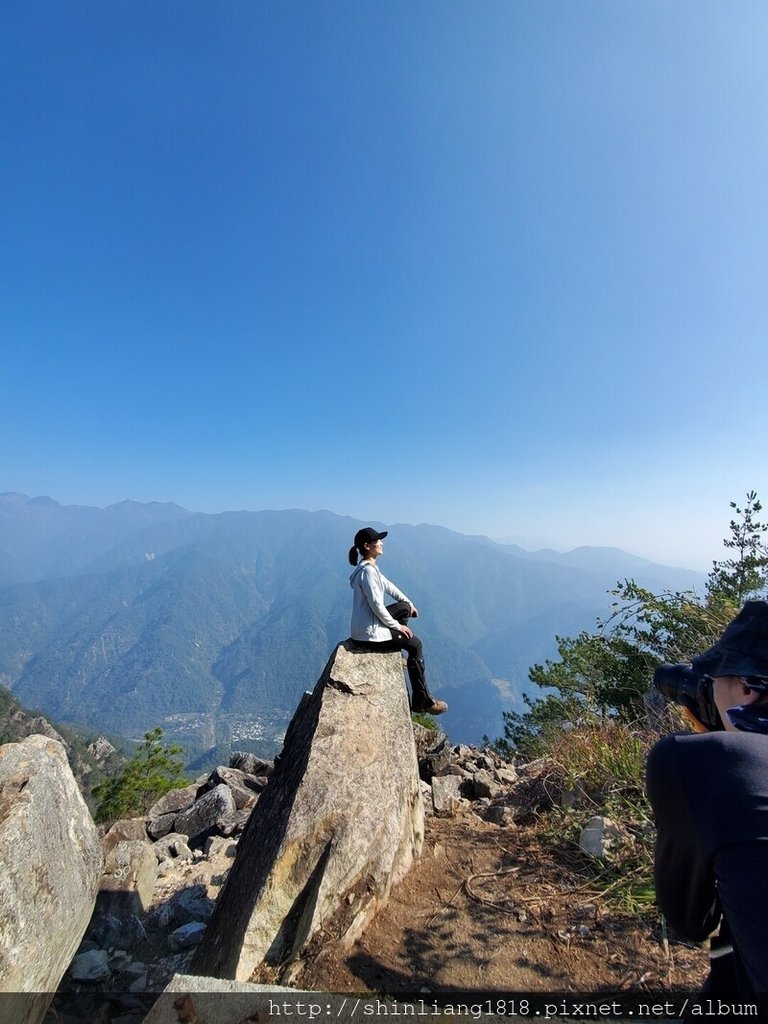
x=405, y=631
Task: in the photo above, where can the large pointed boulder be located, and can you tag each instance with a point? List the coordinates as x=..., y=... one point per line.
x=49, y=872
x=339, y=823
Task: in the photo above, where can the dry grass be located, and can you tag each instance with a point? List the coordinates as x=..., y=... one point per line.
x=602, y=771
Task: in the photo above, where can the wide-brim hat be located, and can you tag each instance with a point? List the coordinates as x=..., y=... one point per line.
x=368, y=536
x=742, y=650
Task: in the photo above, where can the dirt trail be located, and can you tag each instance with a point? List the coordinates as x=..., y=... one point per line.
x=486, y=908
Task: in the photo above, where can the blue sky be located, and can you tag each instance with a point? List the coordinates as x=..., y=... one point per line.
x=495, y=265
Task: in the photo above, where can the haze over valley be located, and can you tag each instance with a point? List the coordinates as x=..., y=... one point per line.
x=142, y=614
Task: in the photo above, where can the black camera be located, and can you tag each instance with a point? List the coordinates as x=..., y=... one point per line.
x=692, y=690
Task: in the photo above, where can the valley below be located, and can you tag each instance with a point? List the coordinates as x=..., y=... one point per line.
x=123, y=619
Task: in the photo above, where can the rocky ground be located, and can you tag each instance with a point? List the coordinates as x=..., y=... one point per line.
x=488, y=907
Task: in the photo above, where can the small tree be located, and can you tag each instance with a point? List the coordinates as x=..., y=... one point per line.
x=746, y=574
x=606, y=674
x=154, y=769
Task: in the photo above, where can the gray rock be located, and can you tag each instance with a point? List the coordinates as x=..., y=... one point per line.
x=132, y=973
x=119, y=959
x=234, y=824
x=91, y=966
x=162, y=916
x=342, y=816
x=427, y=740
x=245, y=788
x=598, y=835
x=506, y=774
x=484, y=784
x=250, y=764
x=500, y=815
x=109, y=931
x=200, y=909
x=426, y=796
x=435, y=764
x=173, y=846
x=192, y=904
x=126, y=828
x=87, y=944
x=432, y=751
x=161, y=825
x=463, y=751
x=36, y=725
x=174, y=800
x=49, y=870
x=101, y=749
x=228, y=1002
x=161, y=815
x=216, y=845
x=188, y=935
x=139, y=985
x=212, y=810
x=130, y=873
x=446, y=794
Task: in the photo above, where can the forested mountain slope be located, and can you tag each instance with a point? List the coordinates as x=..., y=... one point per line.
x=213, y=625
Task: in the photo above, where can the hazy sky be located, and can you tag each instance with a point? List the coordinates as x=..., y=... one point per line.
x=495, y=265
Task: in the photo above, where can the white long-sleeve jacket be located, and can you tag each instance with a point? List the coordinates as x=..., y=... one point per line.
x=370, y=618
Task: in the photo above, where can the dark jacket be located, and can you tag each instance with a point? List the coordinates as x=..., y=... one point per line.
x=710, y=797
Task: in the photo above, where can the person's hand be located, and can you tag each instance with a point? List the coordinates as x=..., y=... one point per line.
x=405, y=631
x=414, y=612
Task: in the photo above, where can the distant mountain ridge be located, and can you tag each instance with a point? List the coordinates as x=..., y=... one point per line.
x=590, y=557
x=213, y=625
x=41, y=539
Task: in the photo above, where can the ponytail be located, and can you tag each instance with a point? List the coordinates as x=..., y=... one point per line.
x=353, y=555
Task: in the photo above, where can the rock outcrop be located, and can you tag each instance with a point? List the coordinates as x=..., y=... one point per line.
x=188, y=998
x=49, y=872
x=130, y=873
x=215, y=809
x=162, y=815
x=105, y=755
x=219, y=803
x=141, y=949
x=339, y=823
x=460, y=779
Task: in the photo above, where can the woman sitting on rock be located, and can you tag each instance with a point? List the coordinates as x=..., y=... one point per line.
x=380, y=627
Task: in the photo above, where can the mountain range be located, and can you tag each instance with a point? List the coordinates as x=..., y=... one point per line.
x=212, y=626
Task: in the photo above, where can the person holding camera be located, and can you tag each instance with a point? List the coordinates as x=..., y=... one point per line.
x=380, y=627
x=709, y=793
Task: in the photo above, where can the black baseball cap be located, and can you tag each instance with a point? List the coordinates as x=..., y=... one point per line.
x=368, y=535
x=742, y=650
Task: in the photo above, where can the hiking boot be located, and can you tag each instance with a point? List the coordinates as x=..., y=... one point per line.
x=437, y=707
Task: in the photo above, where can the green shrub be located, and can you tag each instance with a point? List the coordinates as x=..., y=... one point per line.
x=154, y=769
x=605, y=675
x=424, y=720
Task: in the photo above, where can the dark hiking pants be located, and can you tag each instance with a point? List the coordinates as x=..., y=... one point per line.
x=417, y=673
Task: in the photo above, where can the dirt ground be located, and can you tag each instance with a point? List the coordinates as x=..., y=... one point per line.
x=487, y=908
